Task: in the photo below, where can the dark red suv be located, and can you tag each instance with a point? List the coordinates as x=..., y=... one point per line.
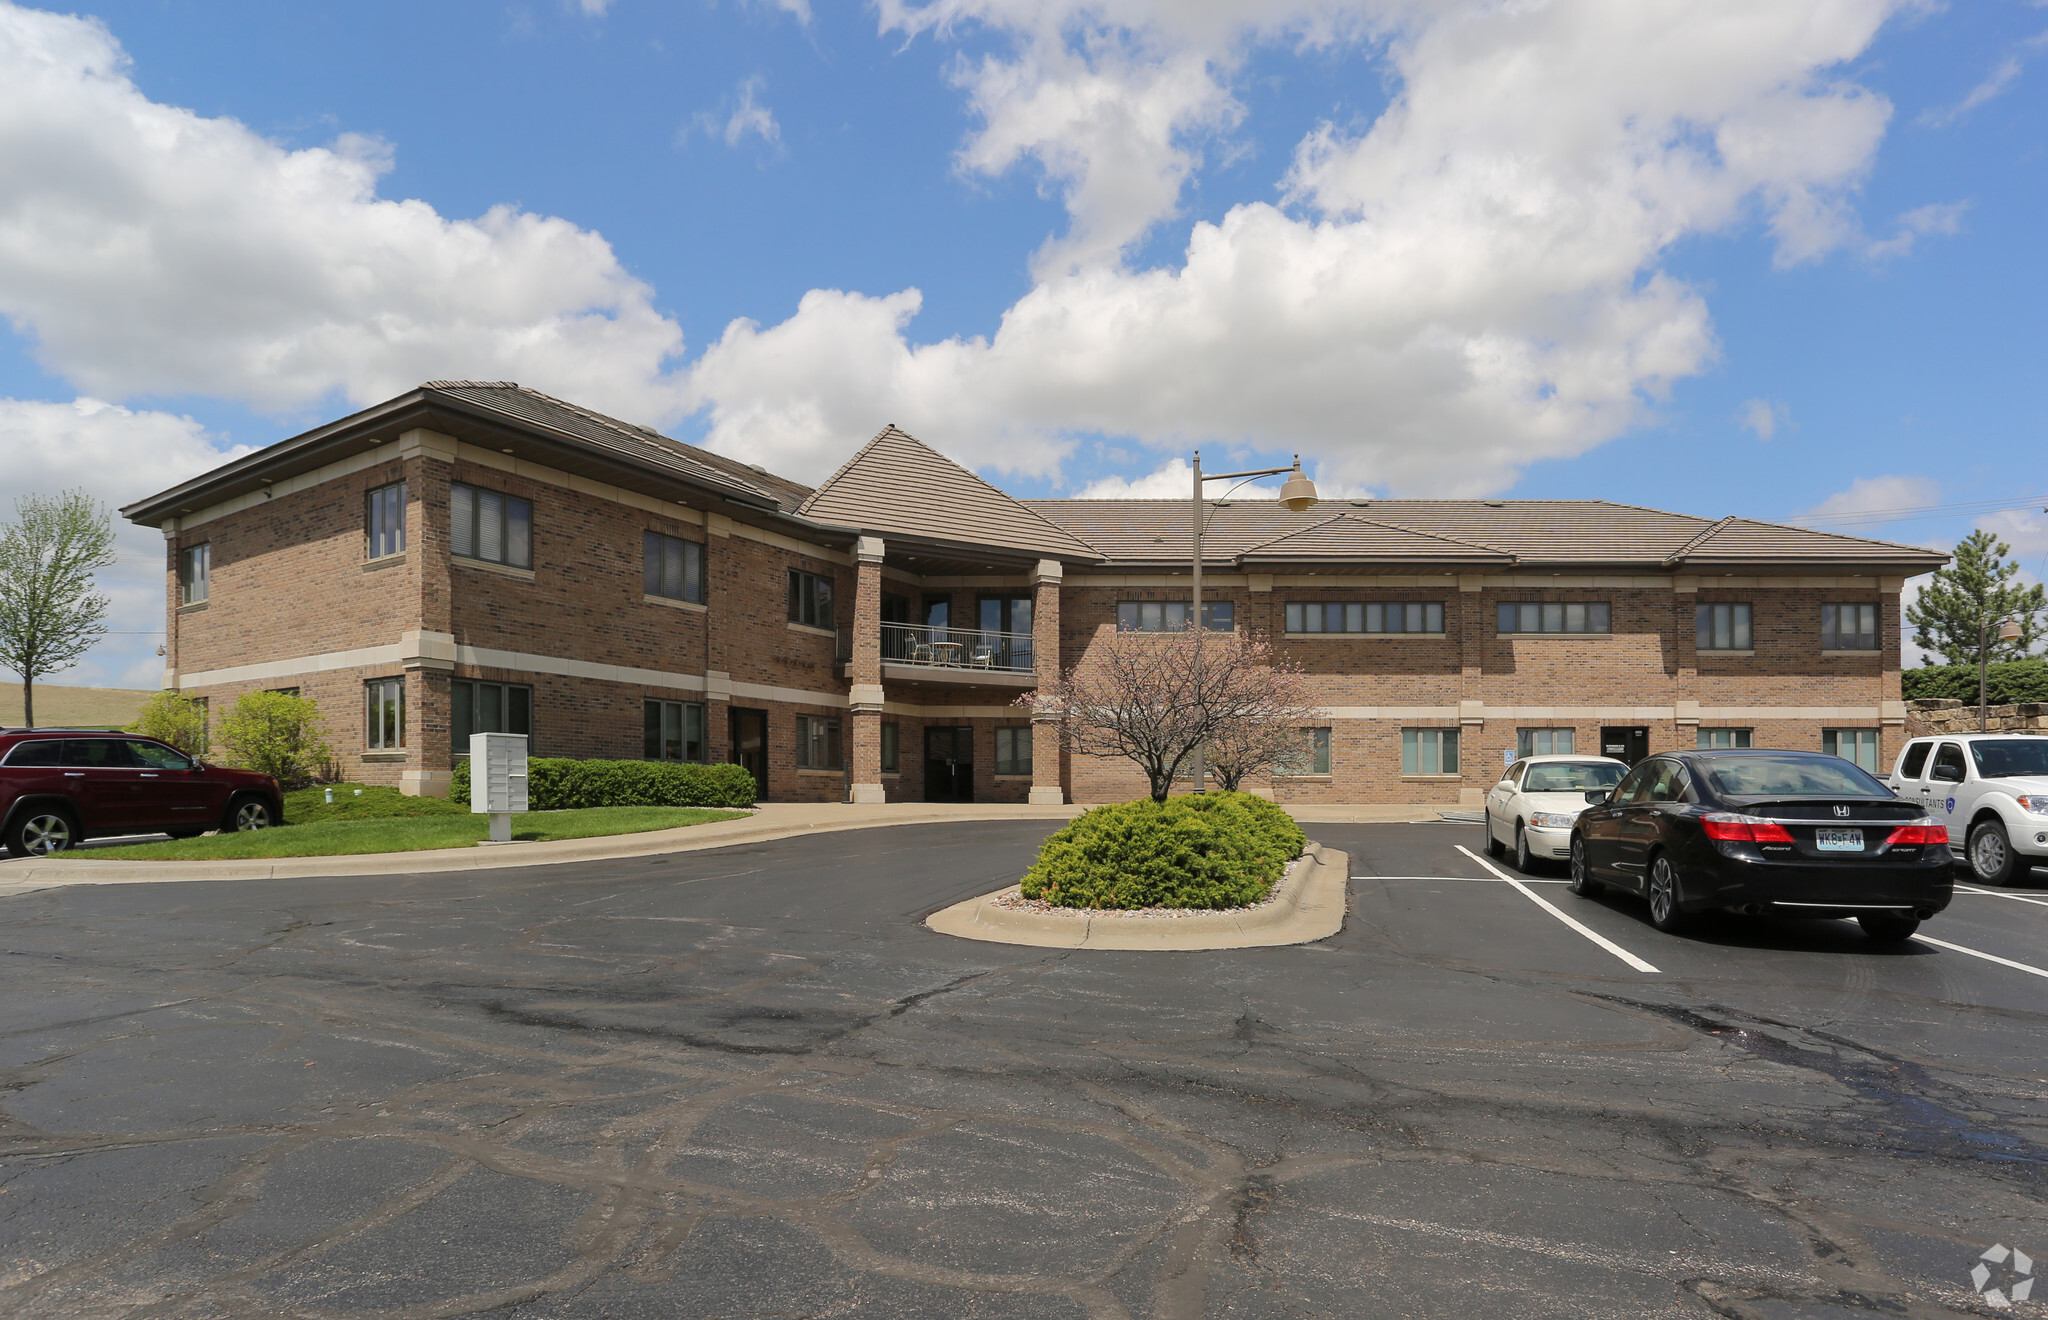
x=58, y=786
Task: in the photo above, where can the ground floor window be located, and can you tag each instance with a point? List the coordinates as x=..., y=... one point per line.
x=1312, y=757
x=817, y=743
x=892, y=747
x=673, y=731
x=480, y=707
x=1858, y=745
x=1013, y=750
x=386, y=723
x=1545, y=742
x=1721, y=738
x=1429, y=751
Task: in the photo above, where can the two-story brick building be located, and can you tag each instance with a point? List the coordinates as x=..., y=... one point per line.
x=472, y=557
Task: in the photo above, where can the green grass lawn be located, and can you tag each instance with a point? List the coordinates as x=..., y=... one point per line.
x=406, y=833
x=307, y=806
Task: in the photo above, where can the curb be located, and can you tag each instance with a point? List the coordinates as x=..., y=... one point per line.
x=1309, y=906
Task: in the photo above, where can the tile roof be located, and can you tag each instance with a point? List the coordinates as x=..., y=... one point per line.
x=623, y=438
x=1568, y=532
x=899, y=485
x=1350, y=538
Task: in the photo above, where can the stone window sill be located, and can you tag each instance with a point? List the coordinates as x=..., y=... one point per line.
x=1431, y=779
x=384, y=561
x=395, y=754
x=806, y=770
x=674, y=604
x=1365, y=637
x=796, y=627
x=193, y=608
x=1306, y=779
x=1736, y=655
x=892, y=774
x=1551, y=637
x=1861, y=650
x=485, y=565
x=1012, y=779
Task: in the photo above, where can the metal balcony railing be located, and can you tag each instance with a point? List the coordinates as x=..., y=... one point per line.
x=955, y=648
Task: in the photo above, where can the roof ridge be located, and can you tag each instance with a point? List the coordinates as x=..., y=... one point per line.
x=1344, y=515
x=1822, y=531
x=844, y=468
x=1296, y=531
x=1699, y=538
x=894, y=430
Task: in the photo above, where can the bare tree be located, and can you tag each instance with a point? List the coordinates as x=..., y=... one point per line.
x=1254, y=746
x=49, y=613
x=1155, y=697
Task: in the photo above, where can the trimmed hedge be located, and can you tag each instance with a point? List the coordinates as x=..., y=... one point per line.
x=1216, y=850
x=556, y=783
x=2007, y=683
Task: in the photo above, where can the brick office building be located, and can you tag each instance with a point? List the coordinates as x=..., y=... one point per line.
x=476, y=556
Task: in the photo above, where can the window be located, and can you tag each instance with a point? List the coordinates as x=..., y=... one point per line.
x=673, y=731
x=1848, y=628
x=491, y=526
x=384, y=521
x=489, y=708
x=385, y=727
x=810, y=599
x=1916, y=760
x=672, y=568
x=1711, y=739
x=1722, y=627
x=1552, y=616
x=1666, y=784
x=156, y=756
x=892, y=747
x=195, y=573
x=1172, y=615
x=1948, y=764
x=1372, y=616
x=1312, y=759
x=817, y=743
x=1010, y=615
x=1857, y=745
x=1013, y=750
x=1545, y=742
x=1429, y=751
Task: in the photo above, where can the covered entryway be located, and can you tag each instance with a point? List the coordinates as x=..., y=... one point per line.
x=948, y=763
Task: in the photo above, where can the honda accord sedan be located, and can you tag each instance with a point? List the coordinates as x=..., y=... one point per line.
x=1761, y=832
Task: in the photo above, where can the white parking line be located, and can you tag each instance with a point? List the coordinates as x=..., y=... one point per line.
x=2017, y=898
x=1979, y=953
x=1466, y=879
x=1560, y=914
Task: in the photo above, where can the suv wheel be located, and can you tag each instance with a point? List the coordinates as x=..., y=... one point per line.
x=1888, y=927
x=249, y=813
x=1583, y=884
x=40, y=831
x=1665, y=913
x=1992, y=859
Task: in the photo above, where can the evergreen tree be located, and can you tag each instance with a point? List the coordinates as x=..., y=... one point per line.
x=1976, y=587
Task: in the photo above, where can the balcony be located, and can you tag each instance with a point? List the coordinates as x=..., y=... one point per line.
x=917, y=653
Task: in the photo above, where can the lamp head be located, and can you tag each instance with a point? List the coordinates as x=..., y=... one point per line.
x=2009, y=631
x=1298, y=493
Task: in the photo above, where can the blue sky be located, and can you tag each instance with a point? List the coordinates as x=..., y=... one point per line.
x=1781, y=258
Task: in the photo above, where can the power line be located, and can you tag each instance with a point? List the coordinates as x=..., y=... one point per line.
x=1906, y=513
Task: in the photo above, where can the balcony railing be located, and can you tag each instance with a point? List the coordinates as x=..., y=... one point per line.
x=955, y=648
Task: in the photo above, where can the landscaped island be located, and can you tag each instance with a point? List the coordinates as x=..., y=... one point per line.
x=1217, y=850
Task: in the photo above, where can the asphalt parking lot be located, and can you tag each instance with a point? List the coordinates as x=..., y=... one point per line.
x=749, y=1083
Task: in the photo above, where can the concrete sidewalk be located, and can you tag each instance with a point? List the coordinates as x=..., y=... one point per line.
x=771, y=820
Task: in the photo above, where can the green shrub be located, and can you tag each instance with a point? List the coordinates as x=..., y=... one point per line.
x=306, y=806
x=555, y=783
x=178, y=720
x=274, y=733
x=1216, y=850
x=2006, y=683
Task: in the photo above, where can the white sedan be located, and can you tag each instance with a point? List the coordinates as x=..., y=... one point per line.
x=1532, y=808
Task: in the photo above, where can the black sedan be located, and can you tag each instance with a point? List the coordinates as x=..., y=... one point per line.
x=1756, y=832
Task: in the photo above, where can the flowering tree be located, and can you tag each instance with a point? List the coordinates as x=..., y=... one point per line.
x=1155, y=698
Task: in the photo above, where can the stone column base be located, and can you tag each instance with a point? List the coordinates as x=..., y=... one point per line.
x=1047, y=796
x=865, y=793
x=424, y=783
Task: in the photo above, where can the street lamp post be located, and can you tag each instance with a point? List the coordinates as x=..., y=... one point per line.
x=1297, y=493
x=2008, y=631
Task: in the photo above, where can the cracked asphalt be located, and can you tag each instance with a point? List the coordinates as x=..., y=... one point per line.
x=750, y=1083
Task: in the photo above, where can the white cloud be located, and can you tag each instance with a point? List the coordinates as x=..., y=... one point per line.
x=594, y=8
x=2002, y=76
x=1869, y=499
x=1471, y=285
x=149, y=250
x=1940, y=218
x=1763, y=417
x=747, y=117
x=115, y=455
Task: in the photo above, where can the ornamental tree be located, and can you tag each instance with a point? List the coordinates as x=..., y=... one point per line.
x=50, y=616
x=1155, y=698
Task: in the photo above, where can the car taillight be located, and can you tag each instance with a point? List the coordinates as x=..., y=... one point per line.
x=1918, y=833
x=1729, y=827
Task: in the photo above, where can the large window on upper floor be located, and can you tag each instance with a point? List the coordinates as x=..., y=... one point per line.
x=810, y=599
x=1552, y=616
x=491, y=526
x=1172, y=616
x=195, y=573
x=384, y=521
x=1371, y=616
x=1848, y=628
x=673, y=568
x=1722, y=627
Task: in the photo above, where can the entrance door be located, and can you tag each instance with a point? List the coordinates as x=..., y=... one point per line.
x=750, y=746
x=1630, y=745
x=949, y=764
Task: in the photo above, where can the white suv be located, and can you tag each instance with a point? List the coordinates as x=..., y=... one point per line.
x=1990, y=789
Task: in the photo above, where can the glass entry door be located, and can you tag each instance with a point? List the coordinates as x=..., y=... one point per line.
x=750, y=746
x=948, y=763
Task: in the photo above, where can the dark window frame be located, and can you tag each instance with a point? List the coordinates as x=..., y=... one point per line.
x=1018, y=736
x=195, y=574
x=1831, y=743
x=384, y=520
x=506, y=693
x=811, y=600
x=1312, y=618
x=671, y=567
x=380, y=712
x=655, y=713
x=476, y=503
x=1217, y=616
x=1831, y=635
x=1741, y=630
x=892, y=747
x=812, y=730
x=1596, y=618
x=1445, y=739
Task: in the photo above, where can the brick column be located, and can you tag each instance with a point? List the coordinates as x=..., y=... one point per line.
x=1045, y=658
x=865, y=671
x=169, y=527
x=1685, y=661
x=1475, y=757
x=427, y=641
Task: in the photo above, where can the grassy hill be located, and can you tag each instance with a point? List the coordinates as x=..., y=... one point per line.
x=90, y=707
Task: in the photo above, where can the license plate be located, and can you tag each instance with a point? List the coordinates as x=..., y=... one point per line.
x=1838, y=840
